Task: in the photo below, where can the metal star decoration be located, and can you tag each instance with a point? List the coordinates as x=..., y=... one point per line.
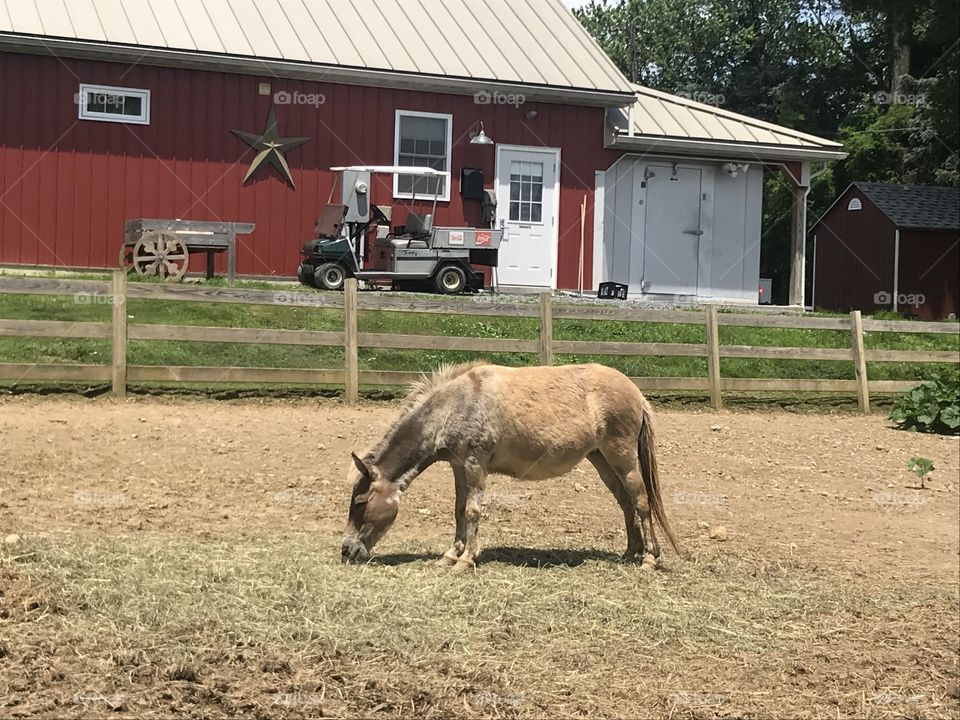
x=270, y=148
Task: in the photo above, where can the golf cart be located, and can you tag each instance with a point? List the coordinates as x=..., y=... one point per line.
x=414, y=256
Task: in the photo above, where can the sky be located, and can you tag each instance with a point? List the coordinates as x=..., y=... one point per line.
x=576, y=3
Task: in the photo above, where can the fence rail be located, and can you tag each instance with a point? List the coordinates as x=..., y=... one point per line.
x=350, y=303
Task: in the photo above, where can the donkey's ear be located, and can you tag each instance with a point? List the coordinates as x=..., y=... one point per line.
x=361, y=466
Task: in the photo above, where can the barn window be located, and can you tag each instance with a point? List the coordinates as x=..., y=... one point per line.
x=855, y=204
x=423, y=140
x=114, y=104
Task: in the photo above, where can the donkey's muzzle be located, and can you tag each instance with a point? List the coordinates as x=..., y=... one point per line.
x=353, y=551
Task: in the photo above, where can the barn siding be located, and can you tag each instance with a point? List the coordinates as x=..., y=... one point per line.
x=854, y=257
x=67, y=186
x=735, y=253
x=930, y=266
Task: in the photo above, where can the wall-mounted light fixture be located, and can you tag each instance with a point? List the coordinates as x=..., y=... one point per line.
x=734, y=169
x=480, y=138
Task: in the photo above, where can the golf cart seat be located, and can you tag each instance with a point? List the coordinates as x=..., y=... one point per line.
x=419, y=226
x=416, y=233
x=404, y=242
x=331, y=220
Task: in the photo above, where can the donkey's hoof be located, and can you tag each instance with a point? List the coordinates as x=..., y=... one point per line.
x=447, y=560
x=464, y=564
x=649, y=562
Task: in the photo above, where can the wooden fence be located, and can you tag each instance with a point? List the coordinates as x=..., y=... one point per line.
x=119, y=332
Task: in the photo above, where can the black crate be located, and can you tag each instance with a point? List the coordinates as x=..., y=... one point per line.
x=612, y=291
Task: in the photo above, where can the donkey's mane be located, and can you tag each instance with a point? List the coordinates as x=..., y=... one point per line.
x=419, y=391
x=421, y=388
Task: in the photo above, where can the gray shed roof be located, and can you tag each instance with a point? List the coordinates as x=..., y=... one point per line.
x=660, y=122
x=916, y=207
x=536, y=43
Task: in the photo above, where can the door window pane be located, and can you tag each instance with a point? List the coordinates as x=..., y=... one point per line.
x=526, y=191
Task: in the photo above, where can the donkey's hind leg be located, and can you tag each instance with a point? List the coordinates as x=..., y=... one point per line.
x=612, y=480
x=459, y=539
x=622, y=458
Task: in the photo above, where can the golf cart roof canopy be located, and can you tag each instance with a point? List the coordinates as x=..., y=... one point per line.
x=392, y=170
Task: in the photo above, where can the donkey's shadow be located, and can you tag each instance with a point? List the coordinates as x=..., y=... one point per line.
x=516, y=556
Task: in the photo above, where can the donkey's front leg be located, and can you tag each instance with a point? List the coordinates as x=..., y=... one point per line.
x=459, y=539
x=475, y=476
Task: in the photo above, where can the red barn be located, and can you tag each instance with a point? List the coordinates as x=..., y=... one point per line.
x=882, y=246
x=117, y=109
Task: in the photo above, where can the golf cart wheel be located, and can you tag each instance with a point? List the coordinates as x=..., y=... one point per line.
x=305, y=278
x=451, y=280
x=330, y=276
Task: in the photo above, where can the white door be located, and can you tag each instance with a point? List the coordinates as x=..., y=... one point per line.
x=527, y=199
x=672, y=231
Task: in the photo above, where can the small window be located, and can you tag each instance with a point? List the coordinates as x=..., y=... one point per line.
x=114, y=104
x=526, y=192
x=855, y=204
x=423, y=140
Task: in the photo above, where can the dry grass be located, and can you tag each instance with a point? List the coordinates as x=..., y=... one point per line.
x=275, y=627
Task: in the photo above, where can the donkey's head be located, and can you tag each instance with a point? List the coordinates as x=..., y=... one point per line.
x=373, y=508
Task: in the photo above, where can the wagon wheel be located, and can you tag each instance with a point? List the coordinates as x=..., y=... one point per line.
x=161, y=254
x=126, y=257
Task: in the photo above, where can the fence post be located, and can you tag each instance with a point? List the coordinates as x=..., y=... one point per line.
x=351, y=363
x=118, y=307
x=859, y=361
x=546, y=328
x=713, y=357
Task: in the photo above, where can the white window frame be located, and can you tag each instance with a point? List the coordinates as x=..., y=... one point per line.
x=142, y=119
x=445, y=195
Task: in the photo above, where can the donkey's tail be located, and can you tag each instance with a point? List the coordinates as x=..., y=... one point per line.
x=648, y=468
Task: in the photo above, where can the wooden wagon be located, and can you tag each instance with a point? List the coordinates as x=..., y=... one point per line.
x=162, y=248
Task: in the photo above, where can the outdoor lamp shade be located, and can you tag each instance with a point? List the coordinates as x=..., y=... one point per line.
x=481, y=138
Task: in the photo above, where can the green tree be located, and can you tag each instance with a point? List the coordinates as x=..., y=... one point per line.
x=912, y=49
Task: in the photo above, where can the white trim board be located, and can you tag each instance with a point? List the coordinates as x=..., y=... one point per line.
x=599, y=195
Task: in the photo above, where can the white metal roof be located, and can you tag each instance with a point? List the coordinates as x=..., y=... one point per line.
x=515, y=42
x=671, y=123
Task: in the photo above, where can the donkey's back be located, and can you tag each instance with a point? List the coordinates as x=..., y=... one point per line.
x=539, y=422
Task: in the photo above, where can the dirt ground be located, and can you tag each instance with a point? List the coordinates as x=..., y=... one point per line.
x=827, y=495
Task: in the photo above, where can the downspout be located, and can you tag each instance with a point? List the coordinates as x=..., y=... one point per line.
x=896, y=267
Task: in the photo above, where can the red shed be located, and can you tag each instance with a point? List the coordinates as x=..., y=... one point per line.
x=883, y=246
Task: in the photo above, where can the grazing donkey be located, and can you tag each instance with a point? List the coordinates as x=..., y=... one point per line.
x=529, y=423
